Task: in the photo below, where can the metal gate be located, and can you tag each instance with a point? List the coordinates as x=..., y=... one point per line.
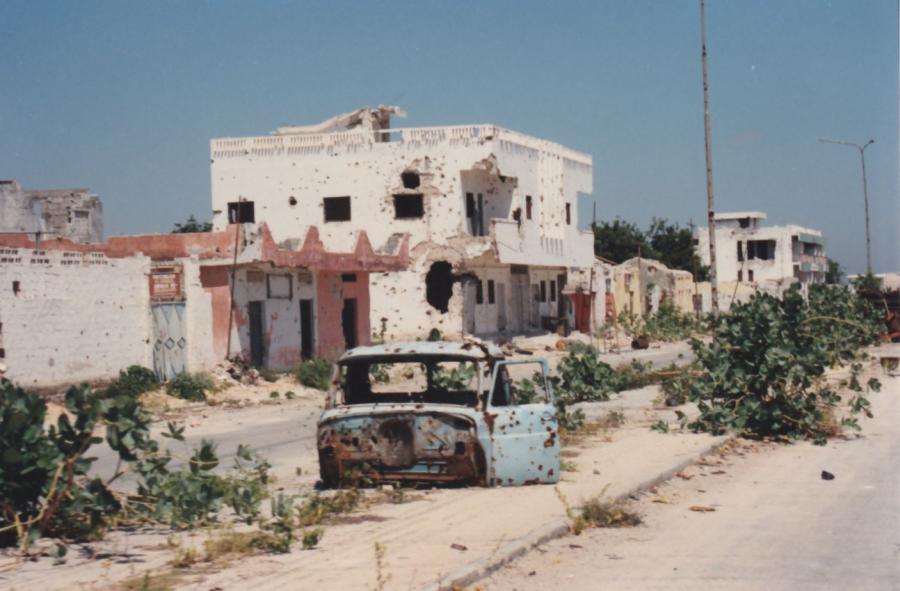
x=169, y=343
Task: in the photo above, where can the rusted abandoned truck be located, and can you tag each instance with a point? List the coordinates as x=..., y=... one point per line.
x=439, y=412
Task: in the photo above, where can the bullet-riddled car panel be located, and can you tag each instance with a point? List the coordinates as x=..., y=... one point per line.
x=439, y=412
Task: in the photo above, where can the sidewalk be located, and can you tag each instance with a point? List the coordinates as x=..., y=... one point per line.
x=492, y=524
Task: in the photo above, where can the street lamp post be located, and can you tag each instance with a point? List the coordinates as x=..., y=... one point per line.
x=862, y=159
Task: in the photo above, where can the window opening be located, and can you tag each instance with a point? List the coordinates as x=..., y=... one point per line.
x=241, y=212
x=408, y=206
x=337, y=209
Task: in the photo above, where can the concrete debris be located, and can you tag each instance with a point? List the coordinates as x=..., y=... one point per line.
x=236, y=371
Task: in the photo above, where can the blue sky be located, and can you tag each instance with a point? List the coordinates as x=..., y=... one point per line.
x=123, y=97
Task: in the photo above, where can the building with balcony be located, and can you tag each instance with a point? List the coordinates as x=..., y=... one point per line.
x=491, y=215
x=752, y=257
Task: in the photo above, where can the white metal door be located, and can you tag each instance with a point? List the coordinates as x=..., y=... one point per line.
x=169, y=343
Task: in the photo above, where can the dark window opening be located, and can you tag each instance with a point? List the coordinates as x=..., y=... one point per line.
x=568, y=214
x=337, y=209
x=744, y=222
x=348, y=277
x=348, y=323
x=17, y=287
x=475, y=213
x=740, y=275
x=750, y=275
x=528, y=207
x=552, y=290
x=740, y=251
x=543, y=291
x=518, y=270
x=517, y=216
x=408, y=206
x=479, y=292
x=2, y=353
x=439, y=285
x=241, y=212
x=410, y=180
x=292, y=200
x=761, y=249
x=81, y=214
x=491, y=296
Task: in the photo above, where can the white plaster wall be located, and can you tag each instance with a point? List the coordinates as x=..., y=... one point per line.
x=399, y=298
x=76, y=318
x=269, y=170
x=281, y=317
x=198, y=318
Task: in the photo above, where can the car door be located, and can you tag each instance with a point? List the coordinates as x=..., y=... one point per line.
x=524, y=430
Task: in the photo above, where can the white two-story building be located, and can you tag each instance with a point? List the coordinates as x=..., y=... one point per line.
x=491, y=215
x=756, y=256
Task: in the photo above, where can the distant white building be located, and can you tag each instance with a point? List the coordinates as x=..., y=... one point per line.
x=762, y=257
x=491, y=214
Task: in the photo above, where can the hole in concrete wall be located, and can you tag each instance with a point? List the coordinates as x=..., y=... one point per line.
x=2, y=353
x=439, y=285
x=17, y=287
x=292, y=200
x=410, y=180
x=348, y=277
x=408, y=206
x=337, y=209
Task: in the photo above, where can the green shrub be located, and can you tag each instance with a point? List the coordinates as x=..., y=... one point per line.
x=667, y=323
x=311, y=538
x=763, y=373
x=456, y=379
x=267, y=374
x=135, y=380
x=319, y=509
x=45, y=482
x=314, y=373
x=190, y=386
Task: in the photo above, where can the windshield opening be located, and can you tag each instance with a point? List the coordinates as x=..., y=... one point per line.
x=420, y=379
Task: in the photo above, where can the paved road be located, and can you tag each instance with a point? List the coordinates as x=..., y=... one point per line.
x=777, y=524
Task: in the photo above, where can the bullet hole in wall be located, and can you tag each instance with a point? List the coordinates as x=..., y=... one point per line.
x=439, y=285
x=292, y=200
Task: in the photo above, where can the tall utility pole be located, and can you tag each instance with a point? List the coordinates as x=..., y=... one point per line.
x=862, y=160
x=710, y=196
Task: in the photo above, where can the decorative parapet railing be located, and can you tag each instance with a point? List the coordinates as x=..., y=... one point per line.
x=317, y=143
x=49, y=258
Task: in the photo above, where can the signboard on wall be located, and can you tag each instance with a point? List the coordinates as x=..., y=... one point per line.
x=165, y=283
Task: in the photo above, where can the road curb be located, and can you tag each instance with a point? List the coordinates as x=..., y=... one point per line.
x=557, y=528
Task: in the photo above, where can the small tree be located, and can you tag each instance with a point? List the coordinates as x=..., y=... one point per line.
x=619, y=241
x=835, y=273
x=191, y=226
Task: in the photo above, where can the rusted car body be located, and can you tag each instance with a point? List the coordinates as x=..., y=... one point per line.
x=438, y=412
